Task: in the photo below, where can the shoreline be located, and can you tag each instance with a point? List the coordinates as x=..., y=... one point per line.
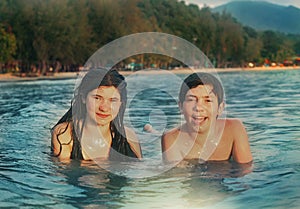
x=213, y=70
x=9, y=77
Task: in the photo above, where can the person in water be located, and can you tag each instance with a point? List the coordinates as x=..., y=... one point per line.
x=201, y=101
x=93, y=127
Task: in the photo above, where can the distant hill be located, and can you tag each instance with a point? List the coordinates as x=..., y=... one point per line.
x=264, y=16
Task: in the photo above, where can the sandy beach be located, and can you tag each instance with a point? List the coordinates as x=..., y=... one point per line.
x=9, y=77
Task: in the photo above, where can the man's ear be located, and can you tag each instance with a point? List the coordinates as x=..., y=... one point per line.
x=180, y=107
x=221, y=108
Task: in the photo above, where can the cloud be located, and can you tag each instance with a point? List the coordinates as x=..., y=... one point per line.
x=214, y=3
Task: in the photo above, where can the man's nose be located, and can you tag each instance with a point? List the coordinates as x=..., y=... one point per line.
x=199, y=105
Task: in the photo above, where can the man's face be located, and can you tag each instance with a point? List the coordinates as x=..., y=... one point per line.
x=200, y=108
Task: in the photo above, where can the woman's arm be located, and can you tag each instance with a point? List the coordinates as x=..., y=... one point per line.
x=133, y=142
x=61, y=141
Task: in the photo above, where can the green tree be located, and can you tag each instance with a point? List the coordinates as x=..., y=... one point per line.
x=229, y=41
x=252, y=45
x=296, y=47
x=271, y=45
x=60, y=32
x=17, y=14
x=285, y=50
x=69, y=31
x=105, y=19
x=7, y=45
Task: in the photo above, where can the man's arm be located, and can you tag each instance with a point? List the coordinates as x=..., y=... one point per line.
x=170, y=151
x=241, y=147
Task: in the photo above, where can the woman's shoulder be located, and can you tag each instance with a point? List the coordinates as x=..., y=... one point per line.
x=61, y=135
x=60, y=128
x=62, y=131
x=130, y=134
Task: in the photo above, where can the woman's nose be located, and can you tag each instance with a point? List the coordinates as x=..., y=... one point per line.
x=104, y=105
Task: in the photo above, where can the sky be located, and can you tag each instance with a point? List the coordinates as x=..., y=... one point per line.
x=214, y=3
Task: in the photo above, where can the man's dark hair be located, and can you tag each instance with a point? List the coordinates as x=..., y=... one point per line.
x=196, y=79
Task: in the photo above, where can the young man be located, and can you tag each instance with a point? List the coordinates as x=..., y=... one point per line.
x=204, y=136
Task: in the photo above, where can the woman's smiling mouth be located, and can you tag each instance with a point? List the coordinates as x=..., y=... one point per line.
x=101, y=115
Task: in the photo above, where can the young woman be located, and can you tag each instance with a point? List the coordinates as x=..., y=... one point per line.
x=93, y=127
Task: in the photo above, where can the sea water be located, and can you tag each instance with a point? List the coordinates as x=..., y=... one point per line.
x=267, y=103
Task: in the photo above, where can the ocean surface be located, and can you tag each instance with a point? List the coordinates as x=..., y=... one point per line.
x=267, y=103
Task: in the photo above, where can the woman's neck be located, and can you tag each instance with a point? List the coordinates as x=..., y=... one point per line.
x=94, y=129
x=96, y=140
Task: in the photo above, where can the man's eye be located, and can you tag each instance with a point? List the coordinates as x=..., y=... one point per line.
x=191, y=100
x=114, y=100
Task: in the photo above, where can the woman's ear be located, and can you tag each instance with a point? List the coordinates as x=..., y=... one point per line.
x=221, y=108
x=82, y=99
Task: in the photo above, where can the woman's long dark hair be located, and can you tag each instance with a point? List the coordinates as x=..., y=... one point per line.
x=93, y=79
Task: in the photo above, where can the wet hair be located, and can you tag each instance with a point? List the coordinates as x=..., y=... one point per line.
x=196, y=79
x=93, y=79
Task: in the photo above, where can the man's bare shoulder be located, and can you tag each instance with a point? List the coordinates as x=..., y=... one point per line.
x=168, y=139
x=235, y=128
x=232, y=123
x=171, y=133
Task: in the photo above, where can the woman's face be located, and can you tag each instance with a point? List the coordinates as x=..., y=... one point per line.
x=102, y=105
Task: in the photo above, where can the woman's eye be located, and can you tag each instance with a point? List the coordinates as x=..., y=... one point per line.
x=97, y=98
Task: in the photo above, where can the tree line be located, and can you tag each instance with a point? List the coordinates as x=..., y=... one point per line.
x=60, y=35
